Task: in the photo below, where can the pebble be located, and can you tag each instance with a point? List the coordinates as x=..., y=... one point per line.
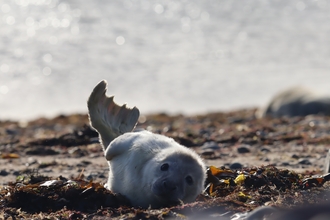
x=16, y=173
x=31, y=161
x=85, y=162
x=102, y=176
x=185, y=141
x=265, y=149
x=295, y=156
x=304, y=161
x=243, y=149
x=236, y=166
x=37, y=150
x=11, y=132
x=94, y=155
x=47, y=170
x=207, y=153
x=210, y=146
x=91, y=177
x=285, y=164
x=77, y=152
x=3, y=173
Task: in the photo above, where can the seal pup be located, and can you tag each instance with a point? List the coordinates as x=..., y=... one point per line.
x=149, y=169
x=296, y=101
x=311, y=212
x=319, y=211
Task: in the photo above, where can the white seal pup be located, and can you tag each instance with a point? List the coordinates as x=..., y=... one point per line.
x=296, y=101
x=149, y=169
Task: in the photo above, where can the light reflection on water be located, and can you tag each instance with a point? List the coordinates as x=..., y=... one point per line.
x=175, y=56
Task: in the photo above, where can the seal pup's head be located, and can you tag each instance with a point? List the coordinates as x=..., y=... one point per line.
x=175, y=176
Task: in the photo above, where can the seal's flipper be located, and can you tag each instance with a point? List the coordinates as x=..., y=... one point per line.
x=107, y=118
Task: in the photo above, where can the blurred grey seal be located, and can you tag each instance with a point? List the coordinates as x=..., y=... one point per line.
x=149, y=169
x=296, y=101
x=306, y=212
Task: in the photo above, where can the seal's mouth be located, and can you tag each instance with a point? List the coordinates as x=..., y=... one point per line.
x=169, y=196
x=168, y=201
x=165, y=197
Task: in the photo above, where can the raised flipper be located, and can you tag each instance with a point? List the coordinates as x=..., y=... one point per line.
x=107, y=118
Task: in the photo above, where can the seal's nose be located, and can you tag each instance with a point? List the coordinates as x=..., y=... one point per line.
x=169, y=186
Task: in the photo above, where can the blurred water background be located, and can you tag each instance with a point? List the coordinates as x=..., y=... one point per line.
x=182, y=56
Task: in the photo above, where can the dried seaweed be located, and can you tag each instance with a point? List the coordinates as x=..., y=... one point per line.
x=226, y=190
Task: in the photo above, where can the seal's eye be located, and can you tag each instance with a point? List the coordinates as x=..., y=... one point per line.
x=164, y=167
x=189, y=180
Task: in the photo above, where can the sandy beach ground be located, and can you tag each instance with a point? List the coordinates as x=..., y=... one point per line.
x=66, y=146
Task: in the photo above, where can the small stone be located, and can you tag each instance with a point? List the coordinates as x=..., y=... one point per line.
x=207, y=153
x=85, y=162
x=47, y=170
x=264, y=149
x=11, y=132
x=210, y=145
x=285, y=164
x=243, y=149
x=102, y=176
x=77, y=152
x=90, y=177
x=304, y=161
x=185, y=141
x=95, y=155
x=236, y=166
x=31, y=161
x=40, y=150
x=295, y=156
x=3, y=173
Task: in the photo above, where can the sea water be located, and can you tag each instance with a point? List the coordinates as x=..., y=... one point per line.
x=182, y=56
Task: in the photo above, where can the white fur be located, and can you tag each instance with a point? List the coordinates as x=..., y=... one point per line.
x=137, y=159
x=135, y=171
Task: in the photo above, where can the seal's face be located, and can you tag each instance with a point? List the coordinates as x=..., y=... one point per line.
x=178, y=179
